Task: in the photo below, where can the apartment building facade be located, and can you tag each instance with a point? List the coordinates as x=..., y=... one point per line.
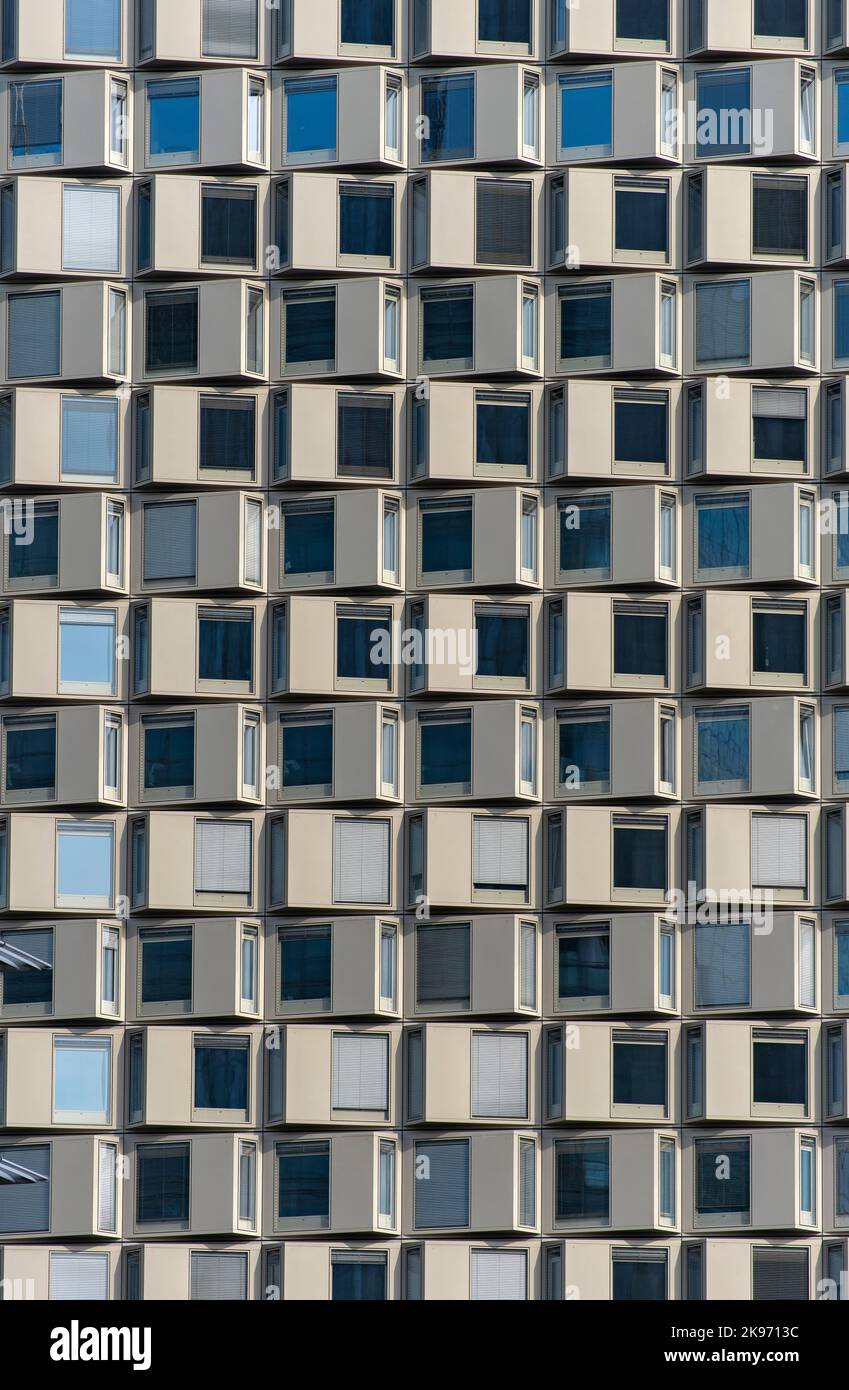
x=424, y=699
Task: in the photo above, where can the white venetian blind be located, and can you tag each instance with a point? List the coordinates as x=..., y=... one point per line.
x=779, y=403
x=90, y=230
x=89, y=437
x=223, y=856
x=229, y=28
x=361, y=861
x=79, y=1277
x=807, y=964
x=360, y=1071
x=170, y=540
x=253, y=542
x=500, y=852
x=779, y=851
x=528, y=966
x=503, y=222
x=500, y=1074
x=499, y=1274
x=219, y=1276
x=107, y=1185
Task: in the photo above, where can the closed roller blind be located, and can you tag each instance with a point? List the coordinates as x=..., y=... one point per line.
x=779, y=851
x=223, y=857
x=360, y=1072
x=527, y=1182
x=442, y=1193
x=500, y=852
x=503, y=222
x=499, y=1274
x=443, y=972
x=24, y=1189
x=219, y=1276
x=500, y=1074
x=170, y=540
x=79, y=1277
x=361, y=861
x=779, y=1274
x=107, y=1186
x=92, y=218
x=722, y=963
x=35, y=334
x=89, y=437
x=229, y=28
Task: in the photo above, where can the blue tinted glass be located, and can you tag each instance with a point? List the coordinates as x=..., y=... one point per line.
x=304, y=1184
x=585, y=325
x=360, y=1281
x=446, y=540
x=723, y=751
x=641, y=1280
x=35, y=119
x=445, y=751
x=503, y=435
x=779, y=642
x=843, y=963
x=365, y=224
x=447, y=327
x=356, y=640
x=724, y=114
x=30, y=758
x=34, y=554
x=583, y=966
x=81, y=1078
x=84, y=865
x=169, y=756
x=86, y=652
x=221, y=1078
x=642, y=220
x=642, y=19
x=504, y=21
x=639, y=1073
x=368, y=22
x=586, y=113
x=448, y=108
x=639, y=644
x=307, y=755
x=640, y=431
x=502, y=642
x=162, y=1183
x=585, y=745
x=585, y=536
x=226, y=649
x=842, y=89
x=639, y=857
x=311, y=117
x=841, y=316
x=780, y=1073
x=166, y=970
x=583, y=1182
x=724, y=536
x=173, y=118
x=308, y=545
x=722, y=1185
x=775, y=438
x=310, y=330
x=305, y=966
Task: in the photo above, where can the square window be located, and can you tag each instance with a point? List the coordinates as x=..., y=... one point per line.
x=364, y=648
x=586, y=116
x=641, y=209
x=780, y=1068
x=365, y=439
x=448, y=106
x=360, y=1072
x=640, y=855
x=221, y=1076
x=230, y=29
x=228, y=225
x=502, y=433
x=641, y=643
x=29, y=758
x=502, y=639
x=93, y=29
x=225, y=646
x=310, y=120
x=779, y=216
x=640, y=1070
x=26, y=976
x=223, y=857
x=82, y=1080
x=367, y=222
